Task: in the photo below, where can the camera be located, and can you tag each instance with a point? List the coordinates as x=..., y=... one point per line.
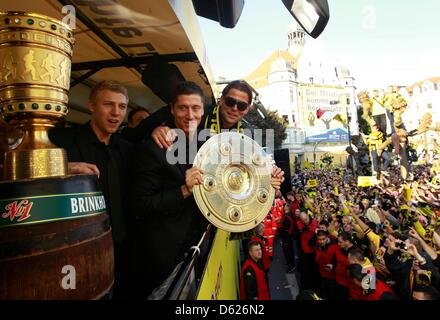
x=402, y=245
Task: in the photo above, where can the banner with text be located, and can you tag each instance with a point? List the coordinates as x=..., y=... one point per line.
x=324, y=113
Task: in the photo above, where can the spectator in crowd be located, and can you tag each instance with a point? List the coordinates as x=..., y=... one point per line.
x=259, y=237
x=373, y=289
x=308, y=268
x=326, y=261
x=135, y=116
x=286, y=236
x=345, y=243
x=253, y=284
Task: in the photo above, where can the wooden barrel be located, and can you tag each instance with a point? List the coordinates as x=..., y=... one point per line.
x=55, y=239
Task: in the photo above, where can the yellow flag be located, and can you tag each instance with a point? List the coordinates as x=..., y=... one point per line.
x=407, y=192
x=336, y=190
x=339, y=118
x=367, y=181
x=312, y=183
x=426, y=211
x=308, y=165
x=419, y=229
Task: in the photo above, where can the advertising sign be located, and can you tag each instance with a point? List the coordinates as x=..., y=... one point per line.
x=324, y=113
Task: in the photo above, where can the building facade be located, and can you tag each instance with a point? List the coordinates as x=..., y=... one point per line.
x=424, y=102
x=301, y=83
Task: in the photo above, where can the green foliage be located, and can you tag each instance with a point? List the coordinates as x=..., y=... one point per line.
x=272, y=121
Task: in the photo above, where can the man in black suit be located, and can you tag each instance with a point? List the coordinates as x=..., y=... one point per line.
x=97, y=148
x=169, y=221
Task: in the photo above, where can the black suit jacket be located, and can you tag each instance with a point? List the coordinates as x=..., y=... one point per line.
x=167, y=224
x=82, y=145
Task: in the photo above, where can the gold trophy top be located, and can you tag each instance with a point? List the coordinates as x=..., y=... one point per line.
x=37, y=22
x=35, y=54
x=35, y=65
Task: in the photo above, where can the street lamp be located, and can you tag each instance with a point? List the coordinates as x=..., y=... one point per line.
x=314, y=152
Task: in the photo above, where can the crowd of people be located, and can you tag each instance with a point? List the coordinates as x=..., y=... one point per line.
x=359, y=243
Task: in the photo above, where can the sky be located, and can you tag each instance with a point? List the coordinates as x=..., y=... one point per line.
x=381, y=42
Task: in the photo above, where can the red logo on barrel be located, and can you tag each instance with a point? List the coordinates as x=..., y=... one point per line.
x=20, y=210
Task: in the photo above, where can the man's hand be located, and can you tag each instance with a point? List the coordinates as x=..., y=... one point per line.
x=82, y=168
x=413, y=233
x=277, y=177
x=193, y=177
x=412, y=250
x=163, y=136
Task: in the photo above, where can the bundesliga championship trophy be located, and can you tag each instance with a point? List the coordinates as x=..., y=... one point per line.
x=55, y=238
x=236, y=193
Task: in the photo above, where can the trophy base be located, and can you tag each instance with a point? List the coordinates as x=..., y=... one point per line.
x=55, y=240
x=35, y=163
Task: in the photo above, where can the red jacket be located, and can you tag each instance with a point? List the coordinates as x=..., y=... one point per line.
x=263, y=290
x=356, y=292
x=277, y=216
x=307, y=235
x=325, y=256
x=381, y=288
x=280, y=202
x=294, y=206
x=265, y=258
x=341, y=268
x=269, y=233
x=291, y=225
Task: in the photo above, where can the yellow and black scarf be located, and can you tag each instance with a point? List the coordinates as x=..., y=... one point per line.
x=213, y=122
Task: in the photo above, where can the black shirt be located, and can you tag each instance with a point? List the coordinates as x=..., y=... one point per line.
x=250, y=281
x=113, y=161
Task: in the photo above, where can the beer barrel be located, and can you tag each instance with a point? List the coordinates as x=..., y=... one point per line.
x=55, y=239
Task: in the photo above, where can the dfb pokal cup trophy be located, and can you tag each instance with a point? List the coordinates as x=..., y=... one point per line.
x=55, y=236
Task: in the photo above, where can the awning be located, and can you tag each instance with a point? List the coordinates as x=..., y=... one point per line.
x=121, y=39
